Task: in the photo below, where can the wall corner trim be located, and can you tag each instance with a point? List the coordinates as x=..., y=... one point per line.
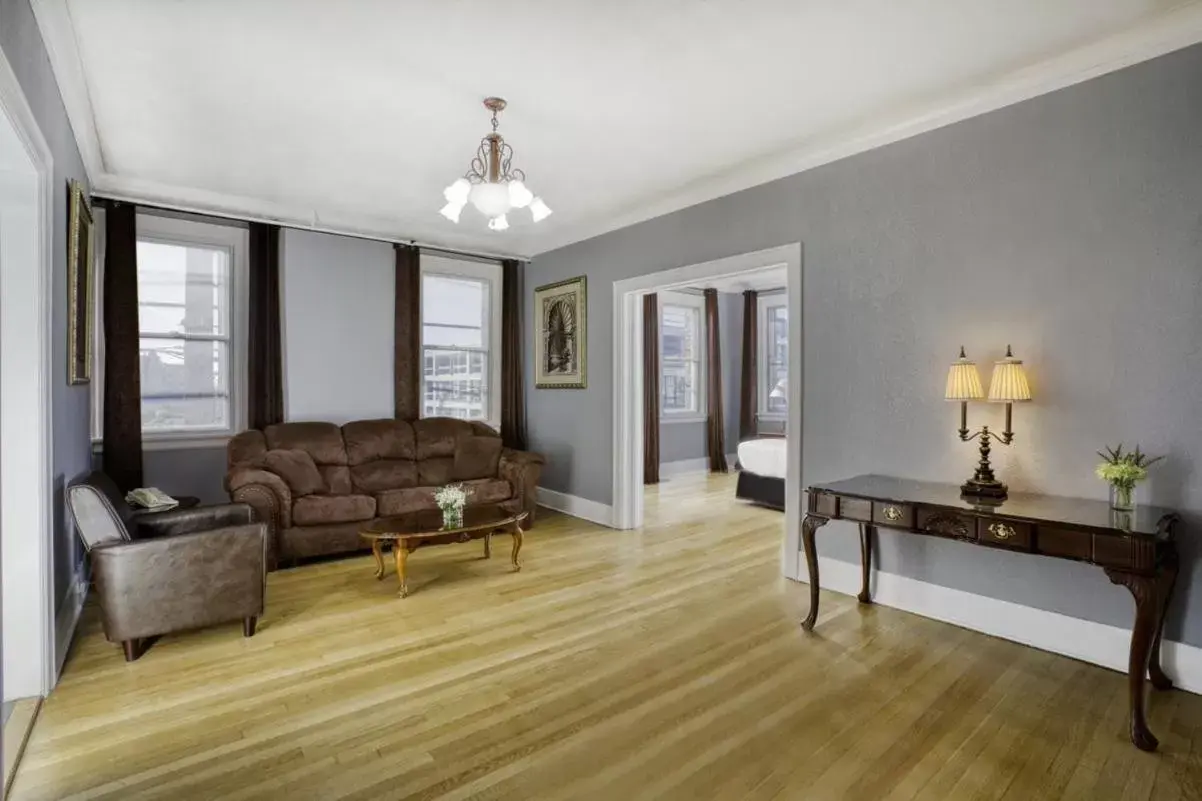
x=67, y=619
x=1096, y=643
x=583, y=508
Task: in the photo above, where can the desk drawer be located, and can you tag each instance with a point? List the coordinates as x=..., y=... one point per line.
x=897, y=515
x=1006, y=533
x=855, y=509
x=1066, y=543
x=943, y=523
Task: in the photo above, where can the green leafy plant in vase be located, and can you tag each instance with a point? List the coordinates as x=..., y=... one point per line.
x=1122, y=471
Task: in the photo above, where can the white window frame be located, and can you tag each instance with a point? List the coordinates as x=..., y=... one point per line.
x=765, y=302
x=432, y=264
x=695, y=302
x=176, y=231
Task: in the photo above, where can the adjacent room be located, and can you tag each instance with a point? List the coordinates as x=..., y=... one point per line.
x=694, y=400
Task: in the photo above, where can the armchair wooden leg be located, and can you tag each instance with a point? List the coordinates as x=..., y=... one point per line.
x=248, y=626
x=133, y=649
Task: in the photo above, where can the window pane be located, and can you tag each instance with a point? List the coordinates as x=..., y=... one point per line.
x=455, y=384
x=184, y=384
x=778, y=360
x=678, y=386
x=454, y=311
x=778, y=393
x=678, y=332
x=183, y=289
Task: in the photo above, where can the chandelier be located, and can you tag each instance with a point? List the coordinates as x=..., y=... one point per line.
x=492, y=185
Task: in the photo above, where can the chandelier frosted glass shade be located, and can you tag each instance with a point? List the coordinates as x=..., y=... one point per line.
x=492, y=186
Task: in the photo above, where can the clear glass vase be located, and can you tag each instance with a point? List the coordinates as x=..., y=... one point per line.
x=1122, y=498
x=452, y=516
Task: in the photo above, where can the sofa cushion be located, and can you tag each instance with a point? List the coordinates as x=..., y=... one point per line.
x=322, y=441
x=439, y=436
x=487, y=490
x=315, y=510
x=368, y=440
x=384, y=474
x=476, y=457
x=297, y=469
x=420, y=499
x=337, y=478
x=435, y=472
x=246, y=448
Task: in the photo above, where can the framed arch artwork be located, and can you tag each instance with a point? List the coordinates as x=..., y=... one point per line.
x=561, y=344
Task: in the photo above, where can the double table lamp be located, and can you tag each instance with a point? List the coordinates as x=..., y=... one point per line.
x=1008, y=385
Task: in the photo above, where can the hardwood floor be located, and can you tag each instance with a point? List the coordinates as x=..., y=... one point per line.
x=665, y=663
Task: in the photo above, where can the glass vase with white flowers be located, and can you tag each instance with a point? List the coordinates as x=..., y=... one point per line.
x=1123, y=471
x=450, y=500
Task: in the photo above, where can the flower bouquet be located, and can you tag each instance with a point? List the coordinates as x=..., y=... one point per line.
x=451, y=499
x=1123, y=471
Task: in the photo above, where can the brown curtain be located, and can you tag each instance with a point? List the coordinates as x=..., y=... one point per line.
x=513, y=397
x=650, y=389
x=407, y=333
x=265, y=374
x=715, y=423
x=749, y=382
x=122, y=351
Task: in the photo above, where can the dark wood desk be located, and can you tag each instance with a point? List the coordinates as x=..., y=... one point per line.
x=1135, y=549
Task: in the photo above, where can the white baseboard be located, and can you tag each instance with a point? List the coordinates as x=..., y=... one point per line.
x=686, y=466
x=68, y=618
x=1097, y=643
x=576, y=507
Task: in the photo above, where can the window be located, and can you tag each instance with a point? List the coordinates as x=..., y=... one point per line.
x=681, y=357
x=774, y=356
x=191, y=332
x=461, y=319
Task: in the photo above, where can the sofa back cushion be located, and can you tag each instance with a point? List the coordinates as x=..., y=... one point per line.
x=476, y=457
x=369, y=440
x=438, y=437
x=322, y=441
x=247, y=448
x=298, y=471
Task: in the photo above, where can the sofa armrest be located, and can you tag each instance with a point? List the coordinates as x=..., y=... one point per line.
x=522, y=470
x=165, y=584
x=186, y=521
x=269, y=496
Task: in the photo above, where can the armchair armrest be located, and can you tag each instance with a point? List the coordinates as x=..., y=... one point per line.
x=522, y=470
x=269, y=496
x=201, y=518
x=172, y=583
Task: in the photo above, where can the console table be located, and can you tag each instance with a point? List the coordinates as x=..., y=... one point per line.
x=1135, y=549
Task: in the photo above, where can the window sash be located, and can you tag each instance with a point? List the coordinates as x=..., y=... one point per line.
x=692, y=309
x=771, y=368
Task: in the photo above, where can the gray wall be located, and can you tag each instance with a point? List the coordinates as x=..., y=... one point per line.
x=682, y=441
x=1068, y=225
x=23, y=47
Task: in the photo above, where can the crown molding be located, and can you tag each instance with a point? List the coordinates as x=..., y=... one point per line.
x=1163, y=33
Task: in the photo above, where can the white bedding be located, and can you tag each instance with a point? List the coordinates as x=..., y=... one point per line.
x=764, y=457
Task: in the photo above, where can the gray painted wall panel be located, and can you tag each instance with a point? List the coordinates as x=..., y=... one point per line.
x=23, y=47
x=1068, y=225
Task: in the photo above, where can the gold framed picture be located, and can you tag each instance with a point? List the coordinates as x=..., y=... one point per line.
x=80, y=261
x=561, y=346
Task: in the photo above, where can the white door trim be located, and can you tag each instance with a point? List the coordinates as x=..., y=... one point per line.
x=26, y=459
x=628, y=382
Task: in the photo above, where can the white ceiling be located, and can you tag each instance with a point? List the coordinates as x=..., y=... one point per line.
x=354, y=115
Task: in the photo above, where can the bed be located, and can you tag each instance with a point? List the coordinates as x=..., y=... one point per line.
x=762, y=465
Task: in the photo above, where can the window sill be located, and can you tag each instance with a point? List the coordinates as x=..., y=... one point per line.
x=665, y=419
x=180, y=443
x=772, y=417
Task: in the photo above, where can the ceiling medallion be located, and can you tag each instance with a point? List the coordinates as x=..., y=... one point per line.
x=492, y=185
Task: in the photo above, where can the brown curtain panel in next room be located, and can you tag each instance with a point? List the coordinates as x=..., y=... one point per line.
x=265, y=376
x=650, y=389
x=407, y=333
x=715, y=426
x=513, y=396
x=748, y=394
x=122, y=370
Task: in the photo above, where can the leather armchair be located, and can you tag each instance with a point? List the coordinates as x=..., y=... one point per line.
x=169, y=571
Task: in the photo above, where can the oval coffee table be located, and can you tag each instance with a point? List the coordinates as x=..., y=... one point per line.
x=409, y=532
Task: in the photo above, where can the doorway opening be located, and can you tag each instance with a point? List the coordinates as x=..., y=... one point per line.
x=629, y=294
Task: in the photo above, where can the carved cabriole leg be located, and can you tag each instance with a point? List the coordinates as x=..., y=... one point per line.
x=1147, y=614
x=1164, y=589
x=866, y=534
x=808, y=527
x=400, y=550
x=377, y=551
x=517, y=546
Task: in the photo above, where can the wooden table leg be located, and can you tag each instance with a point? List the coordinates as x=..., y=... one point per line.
x=377, y=550
x=808, y=526
x=517, y=546
x=867, y=532
x=1164, y=588
x=1143, y=633
x=488, y=545
x=401, y=552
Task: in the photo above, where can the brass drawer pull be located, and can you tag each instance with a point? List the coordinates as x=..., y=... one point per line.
x=893, y=513
x=1001, y=531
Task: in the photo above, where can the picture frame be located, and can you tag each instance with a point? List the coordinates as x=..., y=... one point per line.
x=80, y=291
x=561, y=335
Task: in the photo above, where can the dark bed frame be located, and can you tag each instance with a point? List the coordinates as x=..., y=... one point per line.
x=765, y=490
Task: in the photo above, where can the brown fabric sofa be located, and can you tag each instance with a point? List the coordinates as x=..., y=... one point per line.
x=368, y=469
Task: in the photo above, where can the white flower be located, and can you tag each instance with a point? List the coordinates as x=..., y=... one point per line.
x=452, y=496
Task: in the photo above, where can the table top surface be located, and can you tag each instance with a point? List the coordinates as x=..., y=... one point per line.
x=429, y=522
x=1086, y=512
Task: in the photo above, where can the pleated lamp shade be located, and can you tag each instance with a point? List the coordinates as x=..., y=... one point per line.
x=963, y=381
x=1009, y=382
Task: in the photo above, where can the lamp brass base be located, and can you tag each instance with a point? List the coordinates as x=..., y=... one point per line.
x=983, y=489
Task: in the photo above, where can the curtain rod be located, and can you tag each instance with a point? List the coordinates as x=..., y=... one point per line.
x=475, y=254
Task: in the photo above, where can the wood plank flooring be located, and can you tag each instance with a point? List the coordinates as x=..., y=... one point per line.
x=665, y=663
